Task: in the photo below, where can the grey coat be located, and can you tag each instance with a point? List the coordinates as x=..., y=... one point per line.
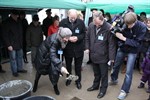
x=34, y=35
x=102, y=46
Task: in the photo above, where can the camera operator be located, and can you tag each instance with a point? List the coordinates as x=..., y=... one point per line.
x=129, y=44
x=118, y=22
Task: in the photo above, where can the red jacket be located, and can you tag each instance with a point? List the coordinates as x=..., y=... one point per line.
x=52, y=29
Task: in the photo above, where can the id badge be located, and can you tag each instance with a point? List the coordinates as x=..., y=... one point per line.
x=60, y=52
x=100, y=37
x=77, y=31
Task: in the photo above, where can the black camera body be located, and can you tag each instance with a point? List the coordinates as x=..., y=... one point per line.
x=118, y=23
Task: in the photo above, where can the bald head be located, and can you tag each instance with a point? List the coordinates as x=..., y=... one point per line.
x=72, y=14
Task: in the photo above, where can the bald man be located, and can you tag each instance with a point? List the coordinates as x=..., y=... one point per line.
x=75, y=47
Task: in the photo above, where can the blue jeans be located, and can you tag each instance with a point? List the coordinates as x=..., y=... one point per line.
x=129, y=68
x=16, y=60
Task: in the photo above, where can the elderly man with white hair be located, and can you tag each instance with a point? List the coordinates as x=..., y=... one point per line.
x=47, y=61
x=75, y=47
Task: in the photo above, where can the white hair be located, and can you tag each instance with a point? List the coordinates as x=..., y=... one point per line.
x=62, y=33
x=72, y=11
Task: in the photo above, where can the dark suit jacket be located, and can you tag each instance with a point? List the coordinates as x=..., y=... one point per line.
x=101, y=50
x=78, y=29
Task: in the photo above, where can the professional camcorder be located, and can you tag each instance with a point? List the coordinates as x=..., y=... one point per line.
x=118, y=23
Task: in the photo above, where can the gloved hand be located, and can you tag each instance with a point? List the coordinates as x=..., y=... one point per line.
x=64, y=70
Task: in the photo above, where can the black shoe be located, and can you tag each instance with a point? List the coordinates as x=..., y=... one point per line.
x=100, y=95
x=26, y=62
x=68, y=82
x=2, y=71
x=22, y=71
x=89, y=62
x=78, y=84
x=92, y=88
x=15, y=74
x=141, y=85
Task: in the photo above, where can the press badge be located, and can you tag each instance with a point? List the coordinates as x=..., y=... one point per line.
x=60, y=52
x=100, y=37
x=77, y=31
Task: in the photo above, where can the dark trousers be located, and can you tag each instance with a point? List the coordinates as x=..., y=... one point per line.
x=0, y=55
x=77, y=63
x=0, y=60
x=100, y=76
x=25, y=53
x=145, y=78
x=90, y=58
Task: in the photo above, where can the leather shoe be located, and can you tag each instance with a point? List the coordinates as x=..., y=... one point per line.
x=79, y=86
x=22, y=71
x=15, y=74
x=89, y=62
x=100, y=95
x=68, y=82
x=2, y=71
x=26, y=62
x=92, y=88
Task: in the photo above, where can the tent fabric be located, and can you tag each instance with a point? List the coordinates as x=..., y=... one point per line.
x=112, y=6
x=118, y=6
x=56, y=4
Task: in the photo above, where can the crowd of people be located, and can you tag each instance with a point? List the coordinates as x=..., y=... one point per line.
x=70, y=38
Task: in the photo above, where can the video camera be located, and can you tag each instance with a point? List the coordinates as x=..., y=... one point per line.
x=118, y=23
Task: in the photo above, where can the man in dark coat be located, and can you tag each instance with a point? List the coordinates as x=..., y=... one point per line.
x=34, y=36
x=12, y=34
x=94, y=10
x=47, y=22
x=47, y=61
x=24, y=21
x=100, y=44
x=75, y=46
x=1, y=46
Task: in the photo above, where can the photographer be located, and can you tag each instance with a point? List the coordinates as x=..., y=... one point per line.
x=129, y=44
